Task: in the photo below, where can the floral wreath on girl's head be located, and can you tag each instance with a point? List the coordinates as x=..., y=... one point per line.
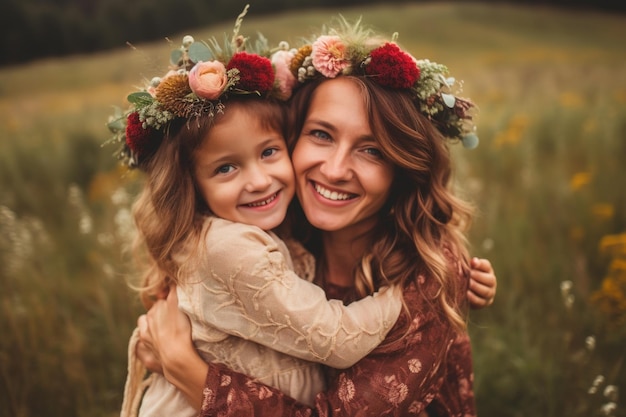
x=354, y=50
x=203, y=75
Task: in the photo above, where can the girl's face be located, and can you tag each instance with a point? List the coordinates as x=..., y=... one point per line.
x=342, y=178
x=243, y=171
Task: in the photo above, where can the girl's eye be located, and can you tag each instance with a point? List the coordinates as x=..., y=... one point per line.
x=268, y=152
x=224, y=169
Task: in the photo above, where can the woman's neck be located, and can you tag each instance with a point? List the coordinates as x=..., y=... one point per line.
x=342, y=252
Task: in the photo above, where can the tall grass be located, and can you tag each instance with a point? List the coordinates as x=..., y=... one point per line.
x=547, y=181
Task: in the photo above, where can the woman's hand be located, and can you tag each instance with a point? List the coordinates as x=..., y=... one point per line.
x=165, y=346
x=145, y=350
x=483, y=284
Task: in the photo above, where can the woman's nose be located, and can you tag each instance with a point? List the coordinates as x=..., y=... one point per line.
x=337, y=166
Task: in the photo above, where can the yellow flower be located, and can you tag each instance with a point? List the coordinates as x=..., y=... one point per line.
x=613, y=244
x=603, y=211
x=579, y=180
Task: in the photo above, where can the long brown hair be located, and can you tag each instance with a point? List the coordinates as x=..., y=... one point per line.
x=422, y=225
x=168, y=212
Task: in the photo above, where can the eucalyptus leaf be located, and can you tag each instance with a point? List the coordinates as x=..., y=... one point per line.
x=117, y=124
x=175, y=56
x=199, y=52
x=448, y=99
x=140, y=98
x=470, y=141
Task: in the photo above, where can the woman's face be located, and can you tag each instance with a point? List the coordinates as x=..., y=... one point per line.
x=342, y=179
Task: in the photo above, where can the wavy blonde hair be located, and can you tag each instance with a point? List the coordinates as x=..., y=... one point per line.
x=421, y=227
x=168, y=212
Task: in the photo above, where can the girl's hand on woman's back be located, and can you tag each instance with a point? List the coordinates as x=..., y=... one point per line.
x=483, y=284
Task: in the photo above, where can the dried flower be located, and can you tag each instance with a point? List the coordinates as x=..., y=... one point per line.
x=171, y=93
x=255, y=72
x=285, y=80
x=208, y=79
x=141, y=140
x=329, y=56
x=392, y=67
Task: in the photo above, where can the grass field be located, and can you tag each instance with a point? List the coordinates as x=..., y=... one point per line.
x=547, y=181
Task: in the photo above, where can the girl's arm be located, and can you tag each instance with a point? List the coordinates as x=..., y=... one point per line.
x=247, y=288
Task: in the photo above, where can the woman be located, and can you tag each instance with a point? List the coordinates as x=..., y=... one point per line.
x=373, y=173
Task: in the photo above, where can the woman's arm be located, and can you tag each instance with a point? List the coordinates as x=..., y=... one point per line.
x=165, y=347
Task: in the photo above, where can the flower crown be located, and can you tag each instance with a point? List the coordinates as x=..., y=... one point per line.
x=204, y=75
x=355, y=50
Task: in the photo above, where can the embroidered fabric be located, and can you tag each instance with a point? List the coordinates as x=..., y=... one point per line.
x=428, y=368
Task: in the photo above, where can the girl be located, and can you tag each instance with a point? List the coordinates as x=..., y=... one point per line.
x=372, y=176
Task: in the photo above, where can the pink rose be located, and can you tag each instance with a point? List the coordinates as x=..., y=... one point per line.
x=283, y=76
x=329, y=56
x=208, y=79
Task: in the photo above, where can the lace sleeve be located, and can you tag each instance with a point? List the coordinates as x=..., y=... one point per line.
x=247, y=289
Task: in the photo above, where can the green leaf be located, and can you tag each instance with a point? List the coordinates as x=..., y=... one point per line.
x=470, y=141
x=198, y=51
x=175, y=56
x=449, y=100
x=117, y=124
x=140, y=98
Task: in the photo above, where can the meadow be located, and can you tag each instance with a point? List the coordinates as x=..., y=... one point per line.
x=547, y=181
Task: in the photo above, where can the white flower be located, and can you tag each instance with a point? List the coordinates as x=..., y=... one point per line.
x=188, y=40
x=609, y=408
x=611, y=392
x=590, y=343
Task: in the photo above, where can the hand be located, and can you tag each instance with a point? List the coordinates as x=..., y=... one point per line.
x=144, y=350
x=163, y=331
x=165, y=346
x=483, y=284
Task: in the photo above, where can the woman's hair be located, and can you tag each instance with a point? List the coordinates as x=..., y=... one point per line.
x=168, y=212
x=421, y=226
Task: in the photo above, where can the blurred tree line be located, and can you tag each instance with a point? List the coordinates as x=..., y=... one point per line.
x=32, y=29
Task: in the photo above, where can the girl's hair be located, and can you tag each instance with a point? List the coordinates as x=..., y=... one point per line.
x=168, y=212
x=421, y=227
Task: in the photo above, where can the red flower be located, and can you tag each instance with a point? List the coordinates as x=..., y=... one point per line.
x=141, y=141
x=392, y=67
x=255, y=72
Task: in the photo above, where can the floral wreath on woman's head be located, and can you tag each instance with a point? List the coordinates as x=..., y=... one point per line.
x=354, y=50
x=204, y=75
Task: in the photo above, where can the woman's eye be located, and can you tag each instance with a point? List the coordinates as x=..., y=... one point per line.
x=374, y=152
x=225, y=169
x=320, y=134
x=268, y=152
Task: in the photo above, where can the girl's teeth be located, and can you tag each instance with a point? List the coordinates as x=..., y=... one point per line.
x=263, y=203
